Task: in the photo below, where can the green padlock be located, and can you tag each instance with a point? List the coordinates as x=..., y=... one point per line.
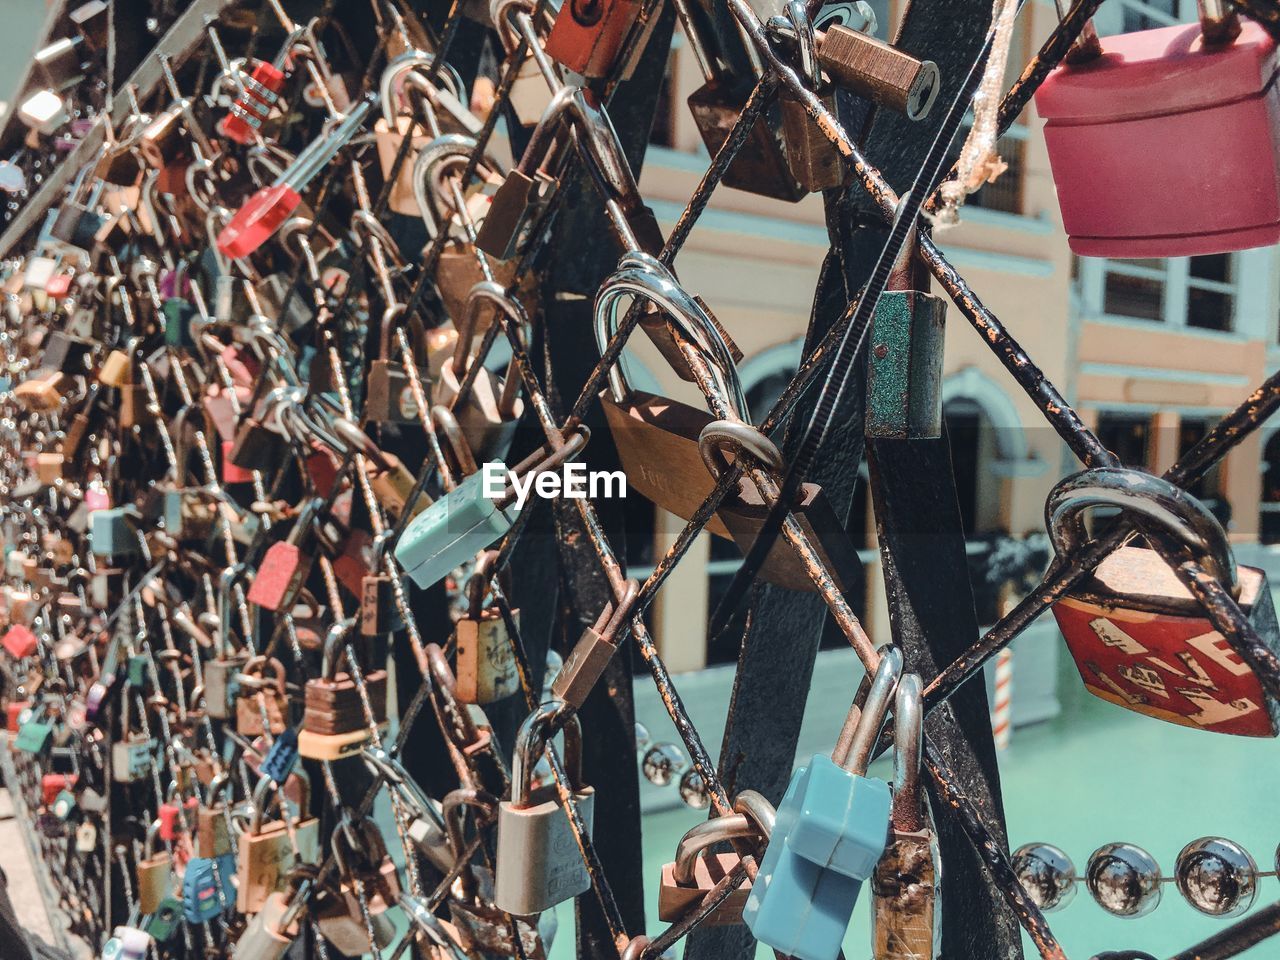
x=166, y=921
x=136, y=671
x=35, y=737
x=178, y=314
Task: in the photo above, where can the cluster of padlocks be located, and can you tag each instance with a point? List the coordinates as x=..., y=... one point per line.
x=251, y=300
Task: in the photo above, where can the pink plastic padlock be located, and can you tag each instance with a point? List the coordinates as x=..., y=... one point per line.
x=1166, y=145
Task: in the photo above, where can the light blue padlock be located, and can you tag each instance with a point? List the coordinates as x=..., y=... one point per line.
x=468, y=519
x=804, y=895
x=795, y=906
x=842, y=815
x=112, y=531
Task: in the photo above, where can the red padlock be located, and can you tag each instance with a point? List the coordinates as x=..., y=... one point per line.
x=588, y=35
x=52, y=784
x=232, y=473
x=12, y=711
x=1138, y=637
x=19, y=642
x=1166, y=144
x=286, y=563
x=253, y=106
x=175, y=817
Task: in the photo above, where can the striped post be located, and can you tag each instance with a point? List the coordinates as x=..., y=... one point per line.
x=1001, y=711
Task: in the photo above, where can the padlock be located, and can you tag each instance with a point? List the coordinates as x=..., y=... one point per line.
x=334, y=724
x=213, y=823
x=465, y=521
x=877, y=71
x=443, y=940
x=86, y=837
x=589, y=36
x=1138, y=637
x=906, y=884
x=266, y=852
x=379, y=611
x=486, y=664
x=485, y=930
x=687, y=880
x=175, y=813
x=831, y=829
x=524, y=195
x=812, y=158
x=208, y=887
x=259, y=94
x=49, y=467
x=52, y=785
x=1139, y=123
x=271, y=932
x=222, y=672
x=538, y=862
x=190, y=512
x=280, y=760
x=113, y=532
x=257, y=447
x=42, y=392
x=390, y=397
x=166, y=921
x=657, y=438
x=904, y=380
x=491, y=411
x=745, y=511
x=131, y=755
x=258, y=693
x=390, y=480
x=128, y=943
x=154, y=873
x=530, y=93
x=19, y=642
x=287, y=562
x=587, y=661
x=361, y=855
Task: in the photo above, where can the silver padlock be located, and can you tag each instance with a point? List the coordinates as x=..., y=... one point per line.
x=271, y=931
x=426, y=825
x=131, y=754
x=539, y=863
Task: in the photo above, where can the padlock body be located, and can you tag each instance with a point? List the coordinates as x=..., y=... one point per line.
x=130, y=759
x=1136, y=145
x=674, y=900
x=450, y=531
x=840, y=819
x=761, y=165
x=657, y=441
x=905, y=889
x=904, y=383
x=538, y=863
x=262, y=939
x=1139, y=641
x=796, y=906
x=486, y=671
x=155, y=882
x=266, y=858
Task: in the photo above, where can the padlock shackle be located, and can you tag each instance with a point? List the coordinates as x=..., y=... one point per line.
x=478, y=583
x=454, y=813
x=719, y=438
x=908, y=741
x=355, y=439
x=863, y=724
x=484, y=292
x=446, y=425
x=532, y=739
x=443, y=150
x=1219, y=22
x=430, y=925
x=334, y=641
x=397, y=72
x=645, y=278
x=398, y=779
x=1167, y=505
x=702, y=837
x=542, y=460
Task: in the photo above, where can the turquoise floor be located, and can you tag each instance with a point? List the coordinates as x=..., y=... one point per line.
x=1097, y=774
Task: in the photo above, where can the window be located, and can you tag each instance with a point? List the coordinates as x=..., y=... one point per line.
x=1135, y=288
x=1127, y=436
x=663, y=131
x=1130, y=16
x=1195, y=292
x=1211, y=291
x=1208, y=489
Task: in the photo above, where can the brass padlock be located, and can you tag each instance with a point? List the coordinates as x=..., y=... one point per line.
x=213, y=819
x=590, y=656
x=259, y=695
x=687, y=880
x=154, y=872
x=538, y=862
x=368, y=874
x=883, y=74
x=906, y=924
x=266, y=852
x=486, y=665
x=335, y=724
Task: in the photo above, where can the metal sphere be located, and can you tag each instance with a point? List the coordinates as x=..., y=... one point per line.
x=693, y=790
x=1124, y=880
x=662, y=763
x=1217, y=876
x=1047, y=874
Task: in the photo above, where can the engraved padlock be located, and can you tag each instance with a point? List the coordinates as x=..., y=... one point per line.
x=538, y=861
x=486, y=665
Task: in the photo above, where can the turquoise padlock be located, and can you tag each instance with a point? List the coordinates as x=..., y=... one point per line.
x=843, y=815
x=201, y=883
x=795, y=906
x=831, y=829
x=178, y=314
x=472, y=516
x=35, y=737
x=112, y=531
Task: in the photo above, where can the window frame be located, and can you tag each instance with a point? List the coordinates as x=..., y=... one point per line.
x=1177, y=284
